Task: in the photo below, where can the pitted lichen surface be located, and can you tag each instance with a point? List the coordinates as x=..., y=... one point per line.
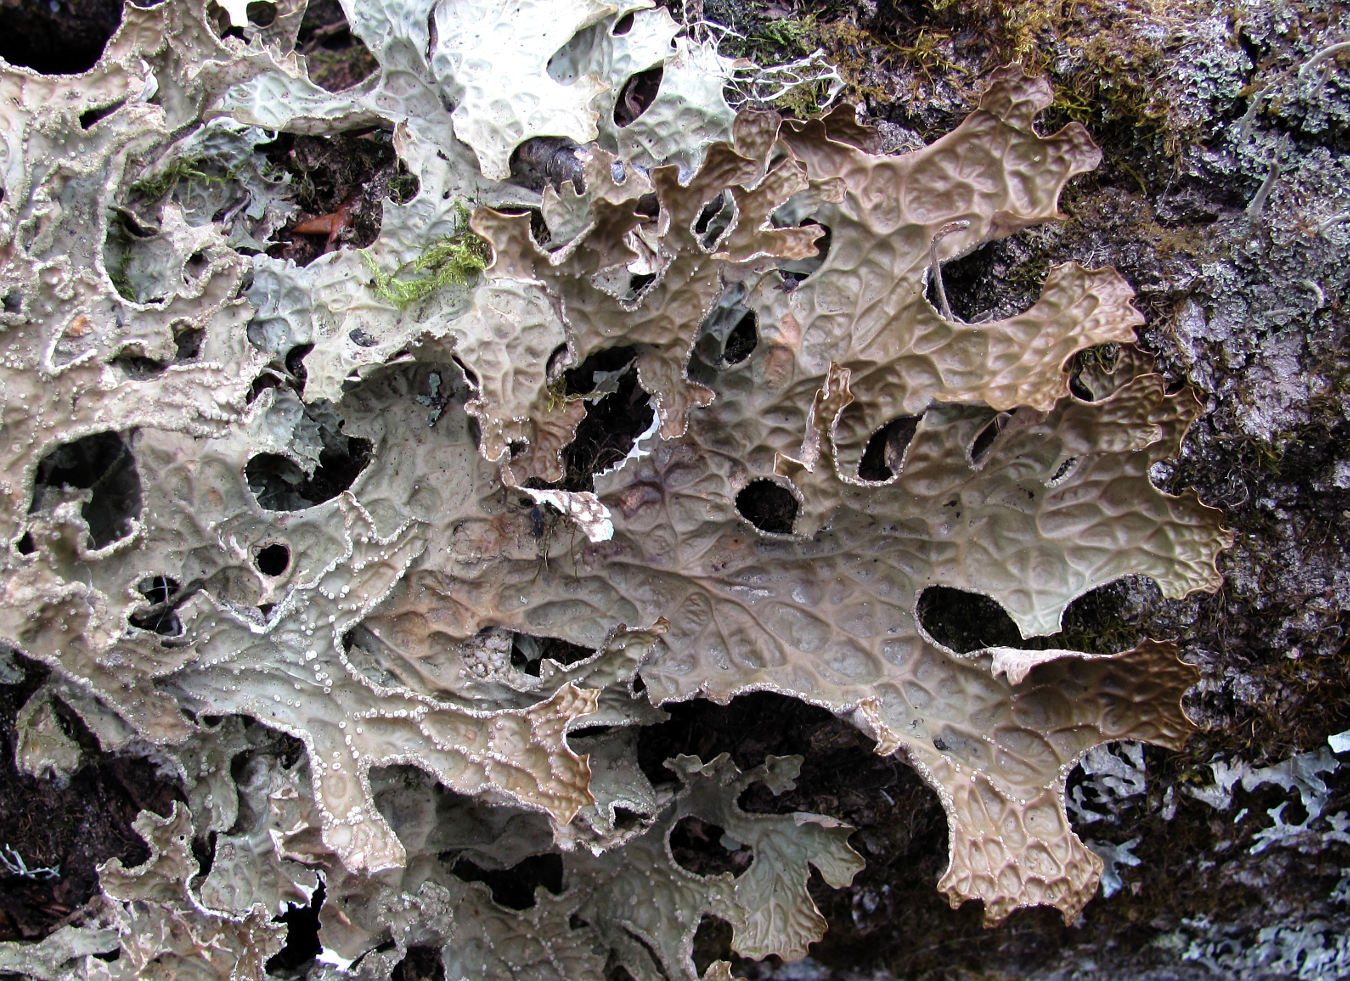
x=390, y=532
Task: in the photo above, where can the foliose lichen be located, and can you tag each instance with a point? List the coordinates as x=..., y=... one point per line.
x=350, y=508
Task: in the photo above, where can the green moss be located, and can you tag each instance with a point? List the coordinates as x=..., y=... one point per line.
x=182, y=169
x=853, y=50
x=1101, y=357
x=1110, y=87
x=784, y=40
x=450, y=261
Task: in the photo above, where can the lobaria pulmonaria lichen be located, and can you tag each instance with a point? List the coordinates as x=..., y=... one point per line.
x=378, y=518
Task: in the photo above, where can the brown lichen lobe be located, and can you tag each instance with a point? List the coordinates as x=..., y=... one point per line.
x=1059, y=501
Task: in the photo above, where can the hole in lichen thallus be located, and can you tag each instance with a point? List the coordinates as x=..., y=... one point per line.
x=965, y=621
x=768, y=505
x=515, y=887
x=638, y=284
x=273, y=559
x=528, y=652
x=983, y=442
x=612, y=424
x=727, y=336
x=1079, y=389
x=742, y=339
x=706, y=849
x=1091, y=372
x=714, y=220
x=541, y=161
x=885, y=451
x=57, y=38
x=793, y=271
x=1101, y=621
x=135, y=259
x=188, y=343
x=159, y=617
x=302, y=935
x=90, y=117
x=271, y=335
x=133, y=365
x=337, y=58
x=295, y=365
x=102, y=464
x=791, y=216
x=280, y=484
x=338, y=183
x=420, y=964
x=261, y=13
x=712, y=943
x=992, y=282
x=637, y=96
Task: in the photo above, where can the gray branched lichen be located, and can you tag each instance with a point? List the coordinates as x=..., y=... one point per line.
x=378, y=557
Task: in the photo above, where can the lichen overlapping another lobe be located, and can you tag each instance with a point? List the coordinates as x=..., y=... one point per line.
x=827, y=613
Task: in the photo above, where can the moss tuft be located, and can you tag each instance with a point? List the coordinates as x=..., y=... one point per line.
x=450, y=261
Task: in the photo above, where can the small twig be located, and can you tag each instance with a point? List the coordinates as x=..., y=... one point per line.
x=12, y=862
x=327, y=30
x=1326, y=53
x=1333, y=220
x=1258, y=200
x=1245, y=123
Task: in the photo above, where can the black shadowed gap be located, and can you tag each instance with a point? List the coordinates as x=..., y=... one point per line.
x=983, y=442
x=768, y=505
x=162, y=595
x=102, y=464
x=280, y=485
x=966, y=621
x=302, y=934
x=420, y=964
x=712, y=943
x=1101, y=621
x=886, y=448
x=904, y=836
x=607, y=433
x=728, y=335
x=273, y=559
x=704, y=848
x=793, y=271
x=993, y=282
x=514, y=887
x=528, y=652
x=57, y=38
x=637, y=96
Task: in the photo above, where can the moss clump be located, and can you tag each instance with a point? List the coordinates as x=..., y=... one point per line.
x=179, y=171
x=857, y=52
x=450, y=261
x=1102, y=57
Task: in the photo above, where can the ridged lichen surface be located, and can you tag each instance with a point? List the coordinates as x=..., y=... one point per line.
x=249, y=504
